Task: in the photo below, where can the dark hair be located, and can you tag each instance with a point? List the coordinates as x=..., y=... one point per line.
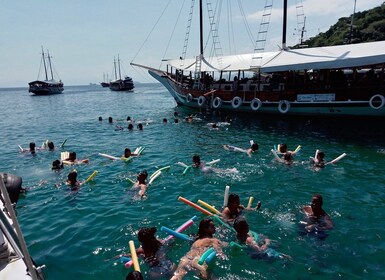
x=319, y=198
x=32, y=146
x=176, y=120
x=140, y=126
x=72, y=176
x=196, y=159
x=57, y=164
x=134, y=275
x=254, y=147
x=240, y=223
x=287, y=156
x=50, y=145
x=321, y=155
x=146, y=236
x=203, y=225
x=100, y=118
x=128, y=118
x=142, y=176
x=72, y=155
x=110, y=119
x=164, y=120
x=232, y=199
x=282, y=148
x=130, y=126
x=127, y=150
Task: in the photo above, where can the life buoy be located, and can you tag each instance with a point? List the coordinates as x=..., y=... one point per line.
x=373, y=101
x=189, y=98
x=255, y=104
x=217, y=102
x=283, y=106
x=236, y=102
x=201, y=100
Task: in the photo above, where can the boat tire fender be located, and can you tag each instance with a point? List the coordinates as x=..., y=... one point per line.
x=236, y=102
x=189, y=98
x=13, y=185
x=217, y=102
x=201, y=100
x=283, y=106
x=373, y=101
x=256, y=104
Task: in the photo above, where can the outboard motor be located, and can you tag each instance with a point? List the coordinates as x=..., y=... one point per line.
x=13, y=185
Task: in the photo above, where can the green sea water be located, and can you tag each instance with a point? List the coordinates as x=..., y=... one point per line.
x=77, y=234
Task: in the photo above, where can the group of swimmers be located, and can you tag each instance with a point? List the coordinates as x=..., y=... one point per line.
x=153, y=250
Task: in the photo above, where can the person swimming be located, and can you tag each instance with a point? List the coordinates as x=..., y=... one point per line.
x=233, y=208
x=317, y=218
x=57, y=165
x=141, y=183
x=127, y=153
x=253, y=148
x=203, y=242
x=72, y=180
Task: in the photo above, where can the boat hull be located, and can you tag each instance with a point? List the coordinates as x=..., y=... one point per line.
x=122, y=85
x=301, y=105
x=44, y=88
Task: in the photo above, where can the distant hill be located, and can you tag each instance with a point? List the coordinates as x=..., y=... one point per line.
x=368, y=26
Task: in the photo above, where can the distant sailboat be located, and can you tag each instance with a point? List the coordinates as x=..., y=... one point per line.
x=118, y=84
x=47, y=86
x=105, y=82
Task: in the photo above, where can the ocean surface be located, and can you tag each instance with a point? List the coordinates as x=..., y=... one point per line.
x=78, y=234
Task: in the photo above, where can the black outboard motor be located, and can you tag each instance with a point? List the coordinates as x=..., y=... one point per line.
x=13, y=185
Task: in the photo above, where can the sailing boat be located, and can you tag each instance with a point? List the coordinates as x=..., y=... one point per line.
x=105, y=82
x=345, y=80
x=47, y=86
x=118, y=84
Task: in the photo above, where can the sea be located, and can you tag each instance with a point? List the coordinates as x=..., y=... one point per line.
x=80, y=234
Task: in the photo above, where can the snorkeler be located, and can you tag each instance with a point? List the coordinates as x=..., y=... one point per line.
x=318, y=219
x=204, y=241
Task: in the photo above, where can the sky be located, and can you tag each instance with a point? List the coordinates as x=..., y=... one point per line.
x=83, y=37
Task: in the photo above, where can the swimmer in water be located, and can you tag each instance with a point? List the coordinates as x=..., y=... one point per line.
x=141, y=183
x=253, y=148
x=318, y=219
x=72, y=181
x=127, y=153
x=233, y=209
x=203, y=242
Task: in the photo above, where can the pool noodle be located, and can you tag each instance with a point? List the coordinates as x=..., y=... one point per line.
x=336, y=159
x=197, y=207
x=185, y=170
x=91, y=176
x=276, y=156
x=182, y=227
x=108, y=156
x=226, y=198
x=210, y=257
x=179, y=163
x=21, y=149
x=128, y=264
x=64, y=155
x=176, y=234
x=159, y=171
x=62, y=144
x=213, y=162
x=132, y=181
x=134, y=256
x=209, y=207
x=279, y=148
x=250, y=201
x=205, y=255
x=297, y=149
x=156, y=175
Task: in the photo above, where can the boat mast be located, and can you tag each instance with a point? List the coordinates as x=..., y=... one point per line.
x=284, y=25
x=116, y=76
x=45, y=66
x=120, y=75
x=351, y=23
x=201, y=26
x=50, y=65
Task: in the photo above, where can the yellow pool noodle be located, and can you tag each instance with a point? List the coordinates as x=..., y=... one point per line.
x=250, y=202
x=208, y=206
x=134, y=257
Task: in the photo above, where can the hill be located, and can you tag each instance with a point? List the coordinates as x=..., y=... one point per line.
x=368, y=26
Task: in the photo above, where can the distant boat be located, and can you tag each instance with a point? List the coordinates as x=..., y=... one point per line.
x=47, y=86
x=118, y=84
x=105, y=82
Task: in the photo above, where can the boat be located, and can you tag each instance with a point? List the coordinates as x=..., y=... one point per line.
x=48, y=86
x=344, y=80
x=105, y=82
x=120, y=84
x=15, y=260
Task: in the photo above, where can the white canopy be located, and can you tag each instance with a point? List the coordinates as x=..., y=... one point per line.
x=332, y=57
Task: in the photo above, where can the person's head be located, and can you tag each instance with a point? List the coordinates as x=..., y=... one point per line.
x=100, y=119
x=146, y=236
x=72, y=156
x=72, y=176
x=57, y=164
x=140, y=126
x=164, y=120
x=176, y=114
x=254, y=147
x=288, y=157
x=127, y=152
x=316, y=203
x=241, y=226
x=206, y=228
x=282, y=148
x=110, y=119
x=128, y=118
x=32, y=146
x=130, y=126
x=176, y=120
x=134, y=275
x=142, y=176
x=51, y=146
x=214, y=125
x=233, y=202
x=196, y=160
x=320, y=156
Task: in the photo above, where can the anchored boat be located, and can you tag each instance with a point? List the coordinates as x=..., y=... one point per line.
x=345, y=80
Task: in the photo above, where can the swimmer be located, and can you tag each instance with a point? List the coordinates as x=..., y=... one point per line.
x=141, y=183
x=253, y=148
x=197, y=163
x=110, y=120
x=318, y=219
x=134, y=275
x=176, y=120
x=259, y=243
x=164, y=120
x=204, y=241
x=32, y=148
x=100, y=119
x=51, y=146
x=57, y=165
x=140, y=126
x=72, y=180
x=73, y=160
x=127, y=153
x=319, y=159
x=130, y=126
x=189, y=119
x=233, y=208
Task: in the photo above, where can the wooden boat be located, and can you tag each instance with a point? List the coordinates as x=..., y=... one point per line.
x=345, y=80
x=120, y=84
x=47, y=86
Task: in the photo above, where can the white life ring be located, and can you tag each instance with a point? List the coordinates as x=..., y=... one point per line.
x=373, y=101
x=189, y=98
x=201, y=100
x=236, y=102
x=217, y=102
x=283, y=106
x=256, y=104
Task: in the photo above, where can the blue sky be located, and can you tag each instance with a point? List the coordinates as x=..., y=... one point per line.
x=84, y=36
